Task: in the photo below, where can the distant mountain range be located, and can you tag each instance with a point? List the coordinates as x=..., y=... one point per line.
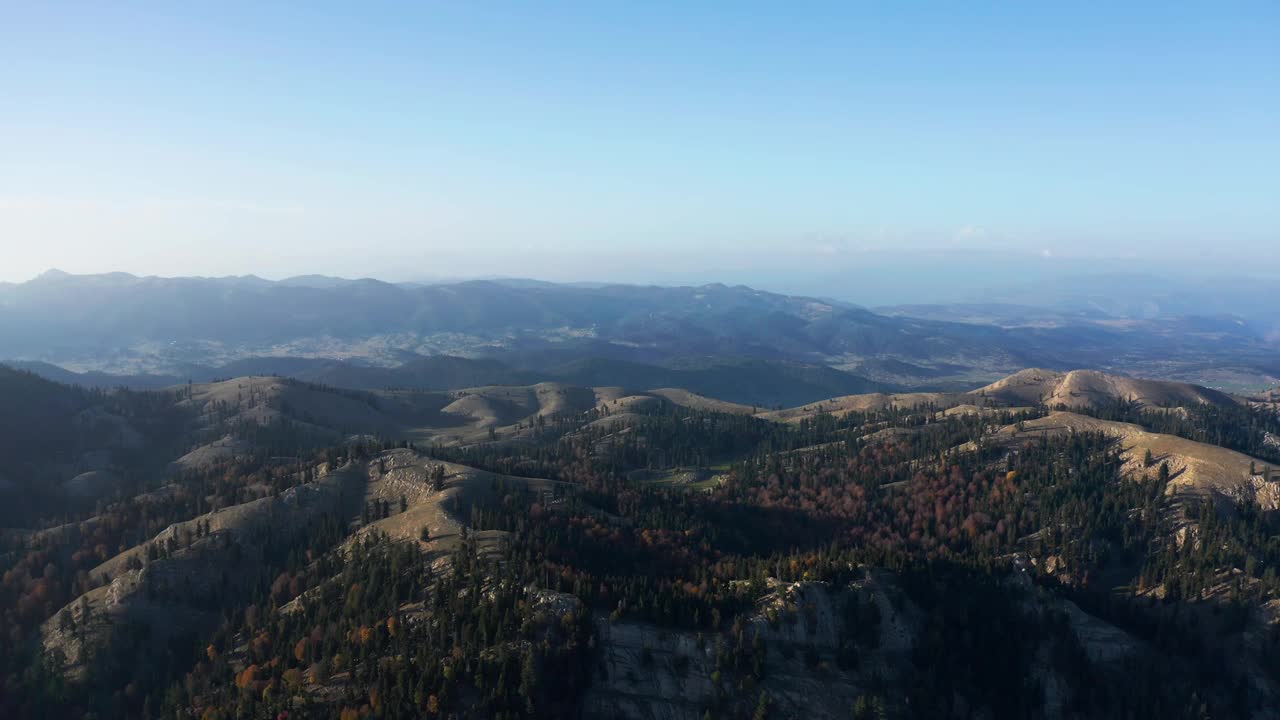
x=181, y=327
x=747, y=381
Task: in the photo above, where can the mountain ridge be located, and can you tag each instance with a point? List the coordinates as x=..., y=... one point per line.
x=124, y=323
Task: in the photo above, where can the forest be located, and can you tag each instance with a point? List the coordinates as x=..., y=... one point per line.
x=993, y=552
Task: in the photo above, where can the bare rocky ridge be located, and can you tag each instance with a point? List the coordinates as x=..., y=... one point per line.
x=405, y=475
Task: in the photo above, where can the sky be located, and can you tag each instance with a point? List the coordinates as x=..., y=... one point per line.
x=784, y=146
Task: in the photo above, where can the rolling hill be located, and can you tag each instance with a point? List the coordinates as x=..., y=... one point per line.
x=309, y=541
x=1195, y=468
x=1030, y=387
x=1091, y=388
x=52, y=434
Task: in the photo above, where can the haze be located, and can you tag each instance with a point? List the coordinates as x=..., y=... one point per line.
x=648, y=142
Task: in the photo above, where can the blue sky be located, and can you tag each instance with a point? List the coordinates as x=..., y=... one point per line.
x=635, y=141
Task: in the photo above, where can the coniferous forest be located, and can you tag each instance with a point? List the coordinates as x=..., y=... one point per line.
x=656, y=559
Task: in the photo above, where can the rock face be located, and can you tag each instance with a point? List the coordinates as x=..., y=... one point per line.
x=652, y=673
x=1258, y=489
x=1102, y=641
x=824, y=647
x=803, y=626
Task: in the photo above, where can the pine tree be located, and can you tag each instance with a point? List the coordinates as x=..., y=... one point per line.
x=529, y=681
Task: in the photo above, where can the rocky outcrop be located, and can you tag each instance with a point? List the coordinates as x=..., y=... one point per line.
x=1258, y=489
x=653, y=673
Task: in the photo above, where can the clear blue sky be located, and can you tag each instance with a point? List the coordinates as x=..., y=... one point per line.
x=633, y=141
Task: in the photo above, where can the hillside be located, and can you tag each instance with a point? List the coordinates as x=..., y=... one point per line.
x=266, y=400
x=36, y=411
x=1090, y=388
x=241, y=414
x=685, y=398
x=562, y=485
x=1031, y=387
x=442, y=506
x=511, y=412
x=51, y=434
x=840, y=406
x=160, y=590
x=757, y=382
x=436, y=372
x=1194, y=467
x=199, y=425
x=163, y=584
x=747, y=382
x=648, y=553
